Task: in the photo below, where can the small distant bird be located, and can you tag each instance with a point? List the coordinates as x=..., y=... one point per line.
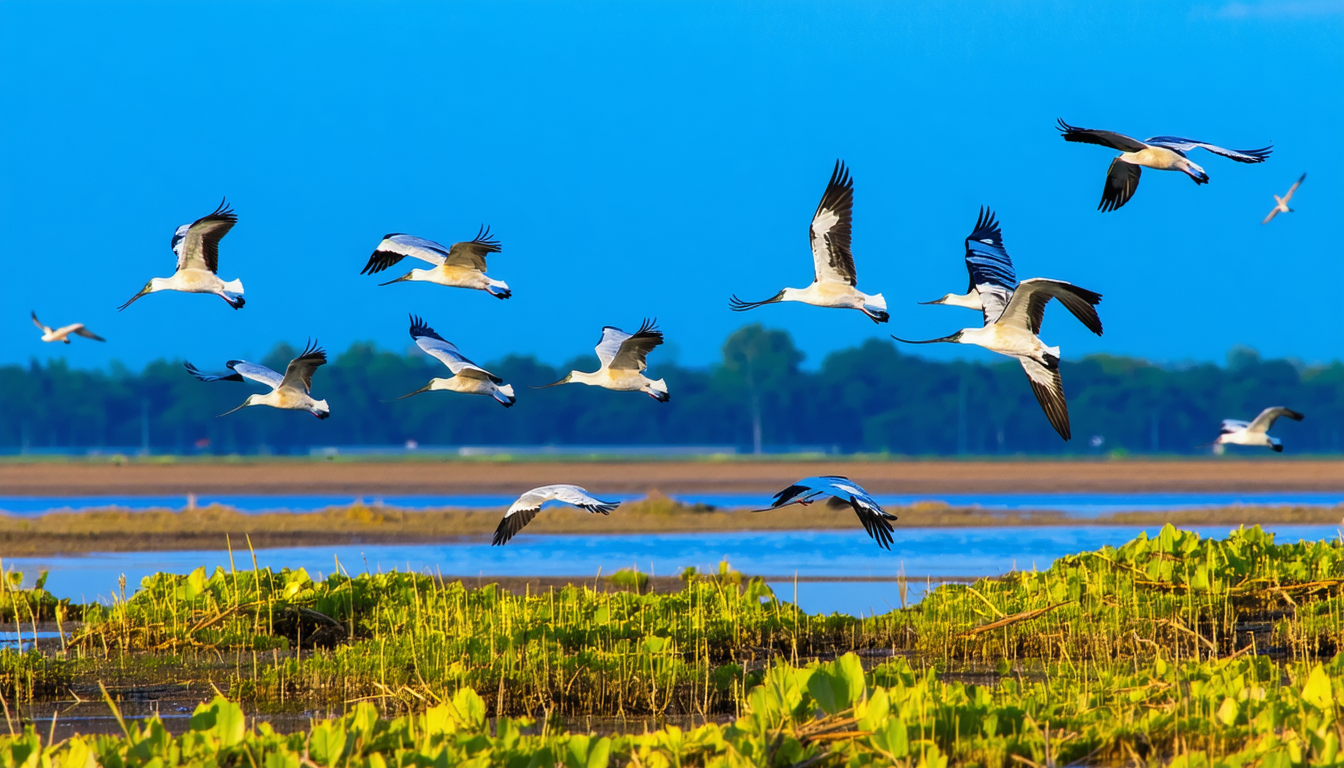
x=468, y=377
x=1161, y=153
x=840, y=492
x=623, y=363
x=63, y=333
x=1235, y=432
x=197, y=248
x=1014, y=332
x=1282, y=206
x=993, y=280
x=529, y=504
x=834, y=279
x=289, y=392
x=460, y=266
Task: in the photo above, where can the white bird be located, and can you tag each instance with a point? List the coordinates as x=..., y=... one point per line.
x=468, y=377
x=460, y=266
x=993, y=279
x=1013, y=330
x=290, y=392
x=197, y=248
x=1282, y=206
x=1161, y=153
x=1235, y=432
x=529, y=504
x=623, y=363
x=63, y=333
x=833, y=263
x=840, y=492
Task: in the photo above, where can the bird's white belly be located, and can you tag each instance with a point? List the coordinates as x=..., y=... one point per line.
x=1157, y=158
x=1245, y=438
x=468, y=386
x=623, y=381
x=1007, y=340
x=197, y=281
x=457, y=277
x=831, y=294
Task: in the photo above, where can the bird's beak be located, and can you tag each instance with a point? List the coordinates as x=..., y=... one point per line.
x=226, y=413
x=557, y=383
x=935, y=301
x=953, y=339
x=142, y=292
x=416, y=392
x=406, y=276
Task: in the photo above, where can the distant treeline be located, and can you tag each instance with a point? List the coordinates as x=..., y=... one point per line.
x=869, y=398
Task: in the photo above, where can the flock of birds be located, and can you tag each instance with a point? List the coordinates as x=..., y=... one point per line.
x=1012, y=313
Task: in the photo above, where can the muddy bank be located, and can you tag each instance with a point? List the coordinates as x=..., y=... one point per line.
x=371, y=478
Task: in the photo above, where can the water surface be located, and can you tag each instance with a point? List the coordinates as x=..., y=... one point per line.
x=778, y=555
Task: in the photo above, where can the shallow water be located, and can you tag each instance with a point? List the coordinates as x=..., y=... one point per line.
x=1079, y=504
x=777, y=555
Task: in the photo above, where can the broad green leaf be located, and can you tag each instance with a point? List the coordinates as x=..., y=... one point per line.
x=1317, y=690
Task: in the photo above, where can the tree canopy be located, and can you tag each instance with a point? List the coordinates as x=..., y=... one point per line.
x=868, y=398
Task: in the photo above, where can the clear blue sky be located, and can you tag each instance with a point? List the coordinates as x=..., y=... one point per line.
x=648, y=159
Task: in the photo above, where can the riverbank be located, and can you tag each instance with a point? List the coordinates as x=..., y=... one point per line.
x=157, y=476
x=215, y=527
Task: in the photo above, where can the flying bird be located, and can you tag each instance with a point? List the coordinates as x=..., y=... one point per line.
x=834, y=279
x=1282, y=206
x=63, y=333
x=1013, y=331
x=290, y=392
x=529, y=504
x=1235, y=432
x=468, y=377
x=840, y=492
x=993, y=279
x=197, y=248
x=623, y=363
x=1161, y=153
x=460, y=266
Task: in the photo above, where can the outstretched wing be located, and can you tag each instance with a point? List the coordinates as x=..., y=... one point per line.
x=876, y=521
x=1049, y=389
x=1240, y=155
x=38, y=323
x=830, y=229
x=1027, y=307
x=79, y=330
x=1122, y=181
x=197, y=244
x=1100, y=138
x=989, y=266
x=1232, y=425
x=529, y=504
x=299, y=372
x=396, y=247
x=258, y=373
x=445, y=351
x=471, y=254
x=1293, y=188
x=194, y=371
x=1267, y=417
x=635, y=348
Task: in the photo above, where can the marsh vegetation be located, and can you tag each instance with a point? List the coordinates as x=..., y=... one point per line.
x=1169, y=648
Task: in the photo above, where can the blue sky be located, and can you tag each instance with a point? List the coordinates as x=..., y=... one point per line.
x=649, y=159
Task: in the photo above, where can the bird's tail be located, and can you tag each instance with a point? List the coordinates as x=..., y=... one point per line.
x=875, y=307
x=658, y=391
x=234, y=286
x=499, y=289
x=1196, y=173
x=504, y=394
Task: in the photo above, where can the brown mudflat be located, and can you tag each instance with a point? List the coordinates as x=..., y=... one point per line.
x=374, y=478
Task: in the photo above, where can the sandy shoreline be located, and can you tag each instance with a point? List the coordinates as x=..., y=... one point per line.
x=374, y=478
